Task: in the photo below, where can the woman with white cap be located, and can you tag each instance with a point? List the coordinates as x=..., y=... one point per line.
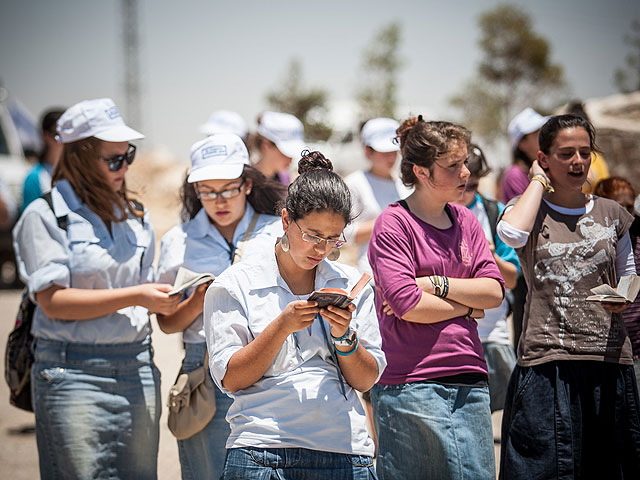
x=229, y=207
x=225, y=121
x=372, y=191
x=523, y=133
x=279, y=139
x=85, y=255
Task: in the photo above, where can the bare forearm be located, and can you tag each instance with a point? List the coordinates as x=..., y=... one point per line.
x=508, y=271
x=432, y=309
x=184, y=316
x=475, y=292
x=249, y=364
x=359, y=369
x=523, y=214
x=85, y=304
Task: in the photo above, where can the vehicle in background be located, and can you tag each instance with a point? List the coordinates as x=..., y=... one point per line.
x=13, y=168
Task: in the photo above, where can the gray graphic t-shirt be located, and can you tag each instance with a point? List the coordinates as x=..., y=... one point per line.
x=564, y=257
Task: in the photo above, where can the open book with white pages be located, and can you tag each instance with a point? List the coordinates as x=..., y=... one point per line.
x=186, y=279
x=626, y=292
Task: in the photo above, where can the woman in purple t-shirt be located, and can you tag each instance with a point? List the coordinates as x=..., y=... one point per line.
x=434, y=274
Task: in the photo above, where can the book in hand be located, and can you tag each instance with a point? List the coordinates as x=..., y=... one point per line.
x=626, y=292
x=338, y=297
x=186, y=279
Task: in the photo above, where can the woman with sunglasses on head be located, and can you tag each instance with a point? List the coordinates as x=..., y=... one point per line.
x=492, y=328
x=572, y=403
x=434, y=275
x=86, y=259
x=229, y=208
x=292, y=367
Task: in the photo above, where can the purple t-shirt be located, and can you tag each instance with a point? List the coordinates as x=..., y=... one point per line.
x=514, y=183
x=402, y=248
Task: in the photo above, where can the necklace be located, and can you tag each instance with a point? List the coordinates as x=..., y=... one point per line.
x=281, y=270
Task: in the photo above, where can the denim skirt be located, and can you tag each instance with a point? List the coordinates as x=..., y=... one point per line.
x=571, y=419
x=97, y=410
x=428, y=430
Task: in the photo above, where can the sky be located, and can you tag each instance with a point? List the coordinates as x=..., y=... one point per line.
x=198, y=56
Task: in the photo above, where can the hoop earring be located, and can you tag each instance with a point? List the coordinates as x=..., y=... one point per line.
x=284, y=243
x=334, y=254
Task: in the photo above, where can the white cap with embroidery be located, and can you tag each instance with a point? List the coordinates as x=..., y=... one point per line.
x=218, y=157
x=98, y=118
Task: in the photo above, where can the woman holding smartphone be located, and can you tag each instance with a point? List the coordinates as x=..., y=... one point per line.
x=291, y=367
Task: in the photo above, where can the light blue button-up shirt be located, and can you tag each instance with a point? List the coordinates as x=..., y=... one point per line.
x=199, y=246
x=298, y=402
x=86, y=256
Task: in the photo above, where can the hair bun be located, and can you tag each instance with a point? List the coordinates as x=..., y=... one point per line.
x=313, y=161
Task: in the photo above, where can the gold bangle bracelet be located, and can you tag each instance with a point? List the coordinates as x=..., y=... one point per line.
x=544, y=182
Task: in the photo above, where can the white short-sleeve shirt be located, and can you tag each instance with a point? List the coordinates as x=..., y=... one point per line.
x=199, y=246
x=298, y=402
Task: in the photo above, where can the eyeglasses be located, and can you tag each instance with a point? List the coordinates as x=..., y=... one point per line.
x=115, y=163
x=471, y=187
x=226, y=194
x=318, y=240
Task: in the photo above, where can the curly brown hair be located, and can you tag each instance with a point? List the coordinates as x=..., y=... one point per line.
x=421, y=142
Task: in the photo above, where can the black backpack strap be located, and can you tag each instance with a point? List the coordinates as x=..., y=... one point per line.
x=493, y=212
x=63, y=222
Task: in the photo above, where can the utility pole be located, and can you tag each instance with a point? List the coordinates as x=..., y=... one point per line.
x=131, y=63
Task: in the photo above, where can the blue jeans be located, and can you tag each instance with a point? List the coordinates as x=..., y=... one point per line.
x=97, y=410
x=296, y=464
x=501, y=360
x=202, y=455
x=571, y=419
x=433, y=431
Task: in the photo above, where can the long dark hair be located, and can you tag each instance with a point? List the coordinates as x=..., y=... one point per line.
x=317, y=188
x=549, y=130
x=265, y=197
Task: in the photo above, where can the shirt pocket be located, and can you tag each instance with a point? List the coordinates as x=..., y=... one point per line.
x=87, y=255
x=287, y=358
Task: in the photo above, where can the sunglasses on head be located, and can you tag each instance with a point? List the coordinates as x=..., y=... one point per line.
x=115, y=163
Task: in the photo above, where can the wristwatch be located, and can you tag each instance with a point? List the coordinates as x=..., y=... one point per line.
x=346, y=340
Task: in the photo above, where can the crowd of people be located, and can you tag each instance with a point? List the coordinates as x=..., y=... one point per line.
x=401, y=379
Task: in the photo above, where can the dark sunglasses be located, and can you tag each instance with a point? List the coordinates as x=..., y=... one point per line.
x=115, y=163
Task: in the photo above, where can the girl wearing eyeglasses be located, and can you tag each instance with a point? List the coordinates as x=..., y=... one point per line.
x=292, y=367
x=229, y=210
x=572, y=403
x=86, y=259
x=434, y=276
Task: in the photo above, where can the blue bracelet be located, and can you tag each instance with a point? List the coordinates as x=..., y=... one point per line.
x=348, y=353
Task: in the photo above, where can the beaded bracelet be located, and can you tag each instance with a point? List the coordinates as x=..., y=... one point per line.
x=346, y=354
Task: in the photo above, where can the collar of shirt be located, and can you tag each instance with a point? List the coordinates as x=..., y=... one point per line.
x=69, y=201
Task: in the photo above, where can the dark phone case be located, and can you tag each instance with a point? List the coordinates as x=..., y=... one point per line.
x=325, y=298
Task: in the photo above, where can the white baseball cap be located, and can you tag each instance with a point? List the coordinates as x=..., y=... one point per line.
x=225, y=121
x=285, y=130
x=98, y=118
x=219, y=157
x=524, y=123
x=379, y=134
